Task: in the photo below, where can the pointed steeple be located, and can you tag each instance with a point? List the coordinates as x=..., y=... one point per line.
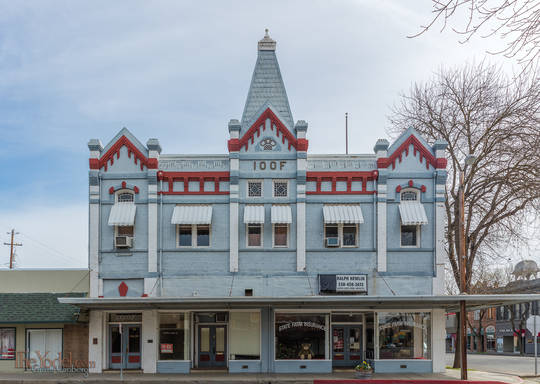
x=267, y=88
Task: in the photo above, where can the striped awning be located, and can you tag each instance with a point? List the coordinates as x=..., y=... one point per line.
x=346, y=214
x=254, y=214
x=122, y=214
x=192, y=214
x=412, y=213
x=281, y=214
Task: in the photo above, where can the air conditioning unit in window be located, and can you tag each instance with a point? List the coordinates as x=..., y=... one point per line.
x=332, y=241
x=123, y=241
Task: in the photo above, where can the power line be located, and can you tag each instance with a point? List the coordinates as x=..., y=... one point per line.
x=50, y=249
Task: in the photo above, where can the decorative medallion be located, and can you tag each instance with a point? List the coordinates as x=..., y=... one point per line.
x=268, y=144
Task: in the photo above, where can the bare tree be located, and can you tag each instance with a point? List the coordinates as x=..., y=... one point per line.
x=517, y=21
x=479, y=111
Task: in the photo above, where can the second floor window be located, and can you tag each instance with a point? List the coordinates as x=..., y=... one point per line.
x=124, y=236
x=410, y=235
x=281, y=235
x=254, y=235
x=195, y=235
x=124, y=197
x=340, y=235
x=409, y=195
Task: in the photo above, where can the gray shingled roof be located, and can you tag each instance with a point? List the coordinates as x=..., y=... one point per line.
x=37, y=308
x=266, y=87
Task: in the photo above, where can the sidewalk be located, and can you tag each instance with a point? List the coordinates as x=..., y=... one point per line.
x=210, y=378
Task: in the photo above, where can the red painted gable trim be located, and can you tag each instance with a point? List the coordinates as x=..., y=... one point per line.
x=115, y=149
x=384, y=162
x=249, y=136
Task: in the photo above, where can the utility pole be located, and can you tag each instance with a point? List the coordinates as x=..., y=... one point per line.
x=346, y=133
x=12, y=245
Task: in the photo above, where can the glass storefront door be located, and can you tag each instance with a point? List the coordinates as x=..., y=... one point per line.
x=346, y=345
x=125, y=346
x=212, y=341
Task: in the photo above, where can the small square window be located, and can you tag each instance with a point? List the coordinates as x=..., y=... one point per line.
x=254, y=235
x=349, y=235
x=254, y=188
x=281, y=188
x=184, y=236
x=203, y=235
x=409, y=236
x=281, y=235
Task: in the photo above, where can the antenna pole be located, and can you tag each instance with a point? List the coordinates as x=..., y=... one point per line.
x=346, y=133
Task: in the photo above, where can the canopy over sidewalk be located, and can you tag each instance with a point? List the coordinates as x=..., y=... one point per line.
x=449, y=303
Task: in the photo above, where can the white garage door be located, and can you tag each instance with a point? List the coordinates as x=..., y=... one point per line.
x=45, y=347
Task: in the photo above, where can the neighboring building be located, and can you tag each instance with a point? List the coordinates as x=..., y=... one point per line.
x=481, y=330
x=266, y=259
x=34, y=325
x=496, y=330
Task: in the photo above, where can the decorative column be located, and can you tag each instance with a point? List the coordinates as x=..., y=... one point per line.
x=439, y=147
x=94, y=218
x=301, y=165
x=381, y=152
x=150, y=282
x=234, y=172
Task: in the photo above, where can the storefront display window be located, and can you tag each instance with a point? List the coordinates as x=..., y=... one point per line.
x=7, y=343
x=301, y=336
x=245, y=335
x=404, y=335
x=173, y=336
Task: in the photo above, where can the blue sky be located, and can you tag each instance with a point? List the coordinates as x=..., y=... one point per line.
x=72, y=71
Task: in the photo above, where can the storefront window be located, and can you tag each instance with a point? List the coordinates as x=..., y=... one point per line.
x=7, y=343
x=173, y=336
x=245, y=335
x=300, y=336
x=404, y=335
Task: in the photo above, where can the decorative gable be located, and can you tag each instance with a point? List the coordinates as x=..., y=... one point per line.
x=114, y=152
x=425, y=155
x=284, y=138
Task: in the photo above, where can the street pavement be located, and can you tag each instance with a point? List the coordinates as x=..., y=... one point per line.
x=515, y=365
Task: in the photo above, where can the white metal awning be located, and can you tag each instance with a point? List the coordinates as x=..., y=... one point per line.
x=412, y=213
x=122, y=214
x=192, y=214
x=254, y=214
x=317, y=302
x=346, y=214
x=281, y=214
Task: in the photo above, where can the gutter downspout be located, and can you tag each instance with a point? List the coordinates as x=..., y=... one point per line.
x=161, y=238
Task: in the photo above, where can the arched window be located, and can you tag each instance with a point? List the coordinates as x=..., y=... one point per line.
x=409, y=195
x=124, y=196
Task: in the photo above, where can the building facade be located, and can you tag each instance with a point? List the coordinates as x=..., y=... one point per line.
x=37, y=333
x=267, y=258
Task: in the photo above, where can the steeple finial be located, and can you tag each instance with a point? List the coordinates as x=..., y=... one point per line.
x=267, y=44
